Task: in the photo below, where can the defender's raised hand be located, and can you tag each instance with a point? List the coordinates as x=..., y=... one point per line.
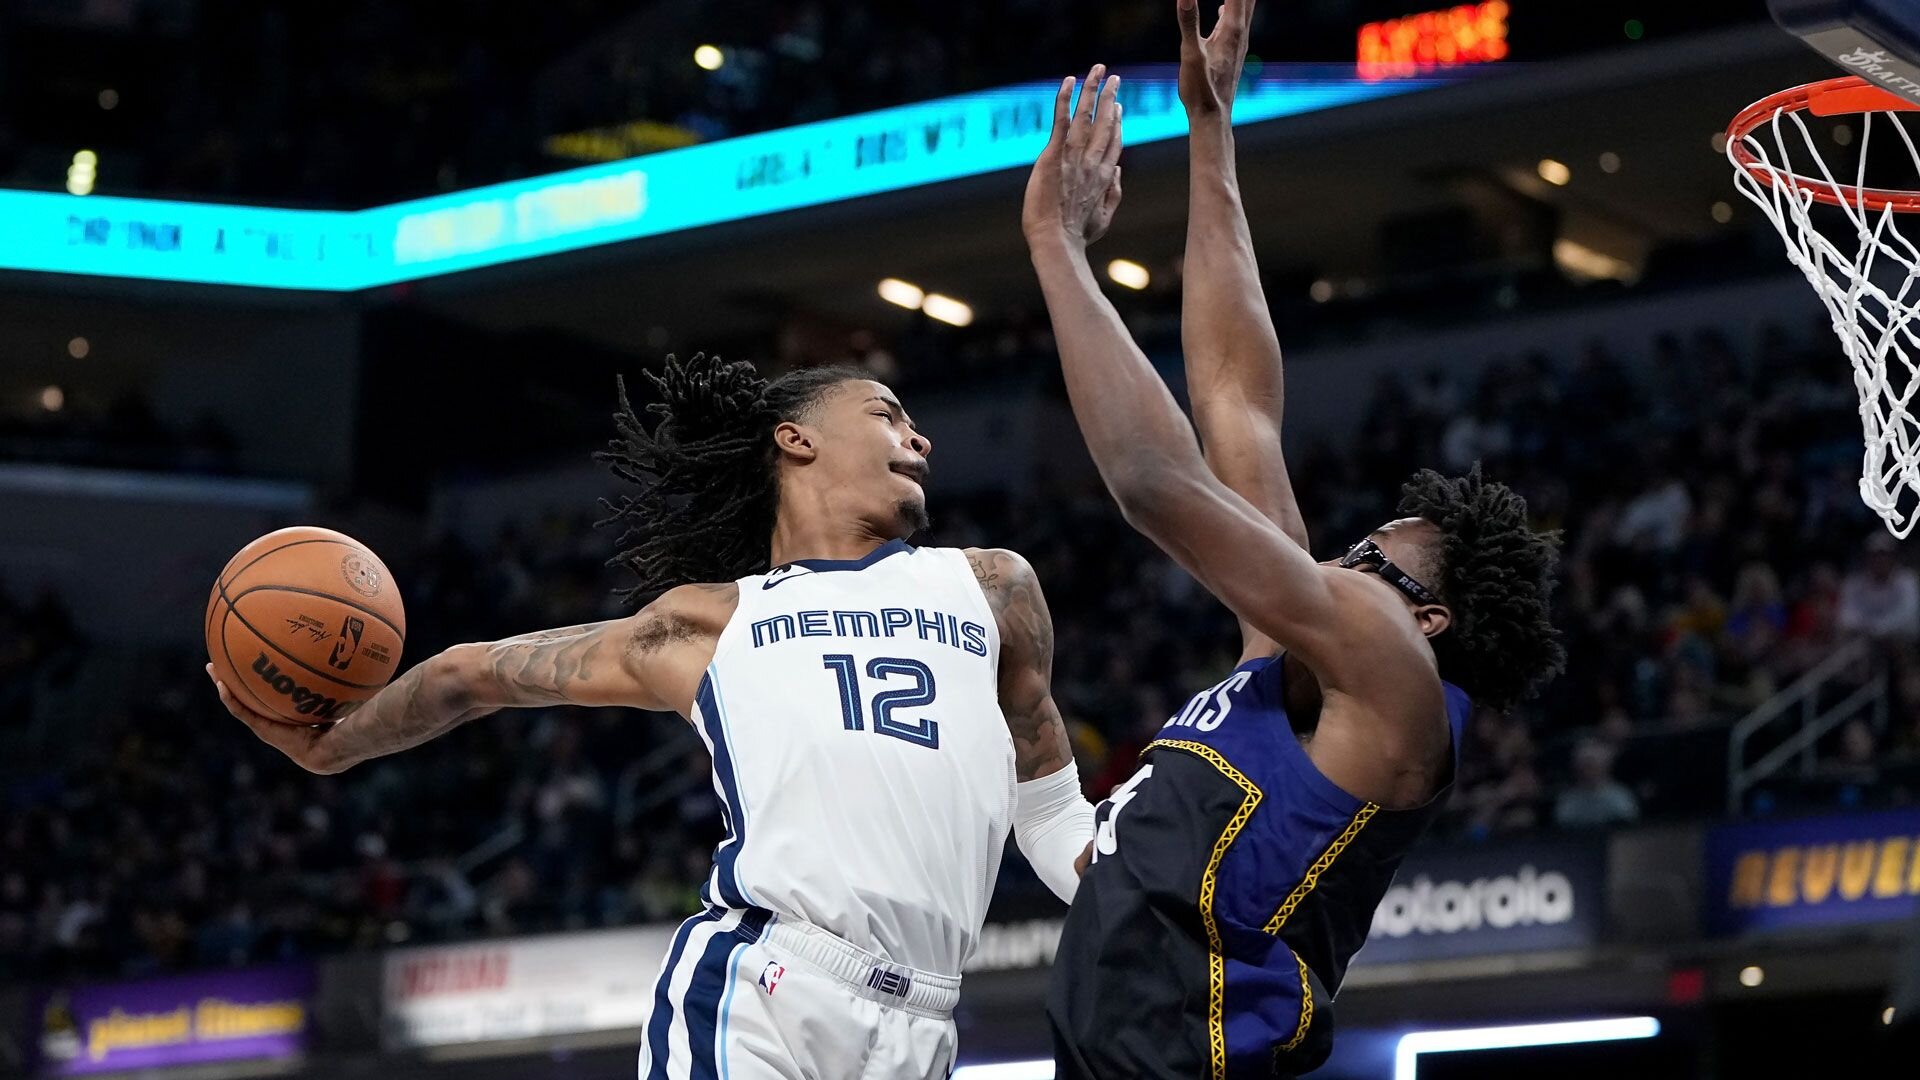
x=1210, y=64
x=1075, y=187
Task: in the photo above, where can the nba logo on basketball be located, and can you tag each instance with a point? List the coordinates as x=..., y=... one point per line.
x=771, y=975
x=343, y=649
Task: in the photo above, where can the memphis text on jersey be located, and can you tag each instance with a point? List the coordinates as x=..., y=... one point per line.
x=936, y=626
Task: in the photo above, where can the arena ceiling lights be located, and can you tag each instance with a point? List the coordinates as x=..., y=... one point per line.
x=731, y=180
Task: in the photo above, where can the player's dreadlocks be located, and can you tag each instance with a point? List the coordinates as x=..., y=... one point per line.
x=1496, y=574
x=706, y=470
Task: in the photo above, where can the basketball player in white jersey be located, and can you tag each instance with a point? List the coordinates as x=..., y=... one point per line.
x=879, y=715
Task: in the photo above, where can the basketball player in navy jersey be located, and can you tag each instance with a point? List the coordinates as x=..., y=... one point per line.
x=1234, y=876
x=879, y=716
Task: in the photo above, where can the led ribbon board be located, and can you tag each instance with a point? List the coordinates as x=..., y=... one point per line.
x=731, y=180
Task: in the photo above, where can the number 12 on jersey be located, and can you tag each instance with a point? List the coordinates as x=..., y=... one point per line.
x=922, y=732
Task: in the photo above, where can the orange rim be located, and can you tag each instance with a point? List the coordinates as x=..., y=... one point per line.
x=1831, y=97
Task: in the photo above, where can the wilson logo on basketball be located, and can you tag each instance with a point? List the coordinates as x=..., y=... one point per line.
x=305, y=702
x=362, y=575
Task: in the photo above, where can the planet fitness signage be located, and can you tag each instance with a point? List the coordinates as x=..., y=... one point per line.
x=1490, y=900
x=228, y=1016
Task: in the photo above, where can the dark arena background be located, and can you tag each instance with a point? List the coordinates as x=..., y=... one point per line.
x=375, y=266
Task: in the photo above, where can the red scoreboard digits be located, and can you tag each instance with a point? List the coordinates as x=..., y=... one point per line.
x=1467, y=34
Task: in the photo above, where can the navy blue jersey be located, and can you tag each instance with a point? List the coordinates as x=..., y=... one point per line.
x=1231, y=885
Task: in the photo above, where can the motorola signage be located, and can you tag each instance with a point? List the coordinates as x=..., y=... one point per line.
x=1475, y=901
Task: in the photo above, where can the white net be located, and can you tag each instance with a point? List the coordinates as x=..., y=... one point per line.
x=1866, y=272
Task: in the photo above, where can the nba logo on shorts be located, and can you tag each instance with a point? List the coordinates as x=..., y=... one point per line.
x=770, y=976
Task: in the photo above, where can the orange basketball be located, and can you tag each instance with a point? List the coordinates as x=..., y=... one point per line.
x=305, y=624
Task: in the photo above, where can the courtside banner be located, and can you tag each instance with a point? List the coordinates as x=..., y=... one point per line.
x=596, y=981
x=1812, y=872
x=1500, y=899
x=193, y=1020
x=522, y=988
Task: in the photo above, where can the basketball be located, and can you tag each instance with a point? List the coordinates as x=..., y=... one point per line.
x=304, y=624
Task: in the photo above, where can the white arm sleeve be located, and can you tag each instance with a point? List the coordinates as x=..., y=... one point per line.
x=1052, y=823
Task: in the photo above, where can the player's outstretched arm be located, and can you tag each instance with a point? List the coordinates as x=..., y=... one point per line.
x=1234, y=373
x=644, y=661
x=1052, y=821
x=1140, y=440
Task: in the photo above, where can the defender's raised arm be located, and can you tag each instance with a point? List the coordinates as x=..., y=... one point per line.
x=1234, y=374
x=1140, y=440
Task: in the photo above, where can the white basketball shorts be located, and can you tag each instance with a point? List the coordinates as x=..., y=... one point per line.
x=744, y=995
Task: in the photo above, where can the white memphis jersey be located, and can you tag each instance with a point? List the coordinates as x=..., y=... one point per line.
x=867, y=775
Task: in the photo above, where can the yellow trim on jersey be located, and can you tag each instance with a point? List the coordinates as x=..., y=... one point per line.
x=1306, y=1008
x=1216, y=961
x=1320, y=866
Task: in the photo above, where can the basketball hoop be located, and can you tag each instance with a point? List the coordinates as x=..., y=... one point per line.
x=1872, y=293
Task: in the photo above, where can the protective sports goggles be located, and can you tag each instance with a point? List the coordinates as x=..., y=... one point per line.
x=1367, y=554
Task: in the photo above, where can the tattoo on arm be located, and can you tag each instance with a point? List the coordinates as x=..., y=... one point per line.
x=592, y=664
x=573, y=665
x=401, y=716
x=543, y=668
x=1040, y=741
x=431, y=699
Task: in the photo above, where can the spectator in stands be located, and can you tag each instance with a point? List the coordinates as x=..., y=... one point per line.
x=1478, y=434
x=1856, y=768
x=1698, y=621
x=39, y=648
x=1687, y=704
x=1656, y=519
x=1499, y=787
x=1759, y=615
x=1880, y=598
x=1595, y=798
x=1813, y=619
